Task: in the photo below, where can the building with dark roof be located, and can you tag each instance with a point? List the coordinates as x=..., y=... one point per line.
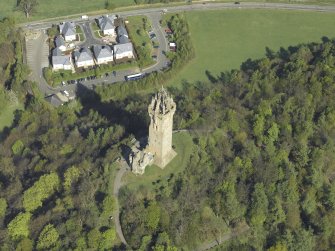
x=103, y=54
x=68, y=30
x=106, y=24
x=83, y=58
x=122, y=35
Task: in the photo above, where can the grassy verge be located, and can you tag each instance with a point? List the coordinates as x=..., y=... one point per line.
x=138, y=27
x=154, y=175
x=224, y=39
x=56, y=8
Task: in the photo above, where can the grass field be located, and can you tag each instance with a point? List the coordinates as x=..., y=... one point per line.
x=184, y=146
x=226, y=38
x=55, y=8
x=7, y=116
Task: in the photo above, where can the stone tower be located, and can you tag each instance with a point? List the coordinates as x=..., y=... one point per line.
x=161, y=111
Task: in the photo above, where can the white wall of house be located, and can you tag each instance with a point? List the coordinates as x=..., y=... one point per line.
x=70, y=38
x=56, y=67
x=110, y=32
x=62, y=48
x=105, y=60
x=85, y=63
x=128, y=54
x=67, y=67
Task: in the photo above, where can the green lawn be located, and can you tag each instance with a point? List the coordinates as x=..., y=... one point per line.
x=224, y=39
x=184, y=146
x=140, y=38
x=55, y=8
x=7, y=115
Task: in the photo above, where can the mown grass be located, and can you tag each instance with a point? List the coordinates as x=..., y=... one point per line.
x=138, y=27
x=55, y=8
x=224, y=39
x=183, y=146
x=7, y=115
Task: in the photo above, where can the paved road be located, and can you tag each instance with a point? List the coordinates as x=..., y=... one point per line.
x=155, y=14
x=117, y=185
x=89, y=38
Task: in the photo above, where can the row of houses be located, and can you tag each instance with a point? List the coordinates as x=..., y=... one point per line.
x=61, y=60
x=85, y=58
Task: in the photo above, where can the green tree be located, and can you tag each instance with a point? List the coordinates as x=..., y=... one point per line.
x=27, y=6
x=94, y=239
x=71, y=175
x=17, y=147
x=3, y=207
x=41, y=190
x=25, y=245
x=19, y=226
x=259, y=206
x=107, y=239
x=152, y=216
x=48, y=237
x=309, y=202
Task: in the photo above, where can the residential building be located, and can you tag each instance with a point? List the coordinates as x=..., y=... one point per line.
x=106, y=24
x=122, y=35
x=103, y=54
x=60, y=43
x=83, y=58
x=68, y=30
x=60, y=61
x=122, y=51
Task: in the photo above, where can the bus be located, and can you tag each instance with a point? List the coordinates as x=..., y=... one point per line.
x=134, y=76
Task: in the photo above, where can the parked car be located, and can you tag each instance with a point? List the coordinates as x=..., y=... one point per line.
x=63, y=83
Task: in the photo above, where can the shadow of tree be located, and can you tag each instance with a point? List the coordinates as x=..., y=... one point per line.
x=130, y=113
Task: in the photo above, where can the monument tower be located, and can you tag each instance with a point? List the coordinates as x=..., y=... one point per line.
x=159, y=149
x=161, y=111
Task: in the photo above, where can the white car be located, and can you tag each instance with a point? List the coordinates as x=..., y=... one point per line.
x=66, y=93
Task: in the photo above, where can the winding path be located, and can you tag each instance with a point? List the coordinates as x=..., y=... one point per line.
x=117, y=185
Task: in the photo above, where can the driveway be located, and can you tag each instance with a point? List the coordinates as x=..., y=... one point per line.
x=89, y=38
x=38, y=58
